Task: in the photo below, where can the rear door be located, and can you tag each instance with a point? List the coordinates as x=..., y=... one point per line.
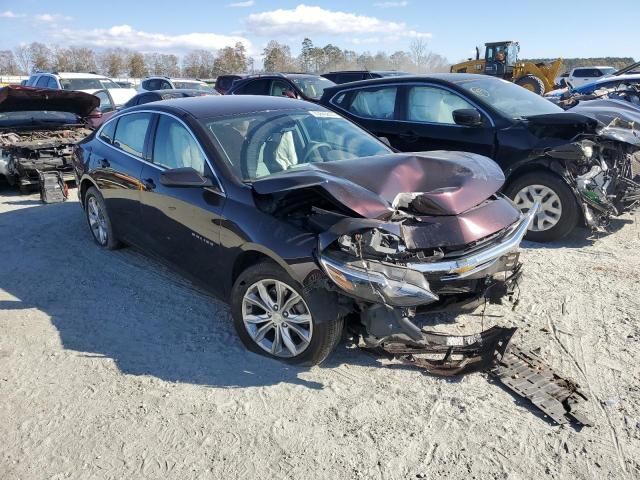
x=117, y=160
x=426, y=114
x=181, y=224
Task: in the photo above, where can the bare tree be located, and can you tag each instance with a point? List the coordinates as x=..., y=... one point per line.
x=82, y=59
x=60, y=59
x=23, y=59
x=40, y=56
x=137, y=68
x=198, y=64
x=418, y=50
x=231, y=60
x=277, y=57
x=8, y=65
x=113, y=61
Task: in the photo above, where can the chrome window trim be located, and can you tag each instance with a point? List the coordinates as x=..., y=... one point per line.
x=411, y=84
x=158, y=167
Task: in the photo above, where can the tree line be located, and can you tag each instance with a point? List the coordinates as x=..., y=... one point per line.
x=202, y=63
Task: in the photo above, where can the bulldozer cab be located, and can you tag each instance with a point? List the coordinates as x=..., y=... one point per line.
x=501, y=58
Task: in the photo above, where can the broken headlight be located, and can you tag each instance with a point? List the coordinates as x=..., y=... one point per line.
x=371, y=243
x=399, y=287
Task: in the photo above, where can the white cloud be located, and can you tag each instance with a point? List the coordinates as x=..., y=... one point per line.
x=10, y=14
x=51, y=17
x=248, y=3
x=127, y=37
x=308, y=20
x=390, y=4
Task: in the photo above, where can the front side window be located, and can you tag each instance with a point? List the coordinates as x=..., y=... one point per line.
x=582, y=73
x=434, y=105
x=175, y=147
x=376, y=103
x=279, y=88
x=131, y=133
x=265, y=143
x=52, y=83
x=312, y=87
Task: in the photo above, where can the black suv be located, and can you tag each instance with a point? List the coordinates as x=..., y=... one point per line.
x=293, y=85
x=346, y=76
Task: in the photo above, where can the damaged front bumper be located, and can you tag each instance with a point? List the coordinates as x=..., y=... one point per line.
x=406, y=286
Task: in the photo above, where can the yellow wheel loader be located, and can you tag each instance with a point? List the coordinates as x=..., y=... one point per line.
x=501, y=60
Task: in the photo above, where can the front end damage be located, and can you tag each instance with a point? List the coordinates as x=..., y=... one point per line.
x=604, y=172
x=24, y=155
x=394, y=279
x=596, y=149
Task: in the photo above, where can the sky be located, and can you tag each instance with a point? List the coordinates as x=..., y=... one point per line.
x=452, y=28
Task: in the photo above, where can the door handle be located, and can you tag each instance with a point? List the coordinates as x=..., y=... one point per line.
x=148, y=184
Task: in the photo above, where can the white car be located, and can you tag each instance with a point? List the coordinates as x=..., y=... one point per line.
x=165, y=83
x=83, y=82
x=583, y=75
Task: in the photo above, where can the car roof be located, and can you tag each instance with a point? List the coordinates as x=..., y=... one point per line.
x=595, y=66
x=76, y=75
x=179, y=79
x=443, y=78
x=219, y=105
x=173, y=91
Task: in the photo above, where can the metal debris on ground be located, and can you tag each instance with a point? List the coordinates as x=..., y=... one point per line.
x=521, y=371
x=526, y=374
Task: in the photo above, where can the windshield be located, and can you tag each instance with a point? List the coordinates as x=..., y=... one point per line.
x=261, y=144
x=192, y=85
x=608, y=70
x=509, y=99
x=88, y=83
x=27, y=118
x=312, y=87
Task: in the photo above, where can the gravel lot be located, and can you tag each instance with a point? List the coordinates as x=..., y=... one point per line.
x=113, y=367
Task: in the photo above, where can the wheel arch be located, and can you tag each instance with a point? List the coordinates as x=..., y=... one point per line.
x=85, y=184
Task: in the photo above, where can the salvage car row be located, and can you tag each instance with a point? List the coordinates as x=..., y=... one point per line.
x=366, y=207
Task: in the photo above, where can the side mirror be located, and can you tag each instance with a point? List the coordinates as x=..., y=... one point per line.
x=184, y=177
x=469, y=117
x=385, y=140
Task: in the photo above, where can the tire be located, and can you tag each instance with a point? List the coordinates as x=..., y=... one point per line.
x=25, y=189
x=96, y=210
x=568, y=205
x=325, y=329
x=531, y=83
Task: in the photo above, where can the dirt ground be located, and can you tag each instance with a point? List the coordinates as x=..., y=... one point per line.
x=113, y=367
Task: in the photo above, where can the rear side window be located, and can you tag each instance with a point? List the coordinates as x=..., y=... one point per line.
x=374, y=103
x=587, y=72
x=151, y=84
x=255, y=87
x=131, y=132
x=42, y=81
x=106, y=134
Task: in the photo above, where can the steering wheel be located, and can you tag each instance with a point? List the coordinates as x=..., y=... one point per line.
x=313, y=149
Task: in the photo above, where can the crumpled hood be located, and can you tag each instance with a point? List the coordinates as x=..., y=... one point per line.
x=451, y=182
x=619, y=120
x=21, y=99
x=564, y=125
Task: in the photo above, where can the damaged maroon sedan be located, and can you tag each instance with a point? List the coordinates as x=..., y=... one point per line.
x=302, y=221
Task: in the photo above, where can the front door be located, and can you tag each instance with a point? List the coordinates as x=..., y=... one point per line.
x=427, y=116
x=181, y=224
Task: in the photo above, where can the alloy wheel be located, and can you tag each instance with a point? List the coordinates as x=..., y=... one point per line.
x=277, y=318
x=550, y=209
x=97, y=221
